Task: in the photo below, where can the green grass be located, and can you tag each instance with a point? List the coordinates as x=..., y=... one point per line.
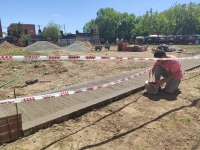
x=162, y=125
x=186, y=120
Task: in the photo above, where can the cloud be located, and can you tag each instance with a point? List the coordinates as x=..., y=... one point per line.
x=56, y=15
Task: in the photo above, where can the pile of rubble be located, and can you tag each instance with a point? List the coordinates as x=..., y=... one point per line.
x=137, y=48
x=168, y=48
x=165, y=47
x=42, y=45
x=87, y=44
x=7, y=45
x=76, y=47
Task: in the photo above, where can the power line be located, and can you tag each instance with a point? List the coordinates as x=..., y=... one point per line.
x=148, y=7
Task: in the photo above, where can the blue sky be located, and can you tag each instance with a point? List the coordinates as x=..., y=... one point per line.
x=72, y=13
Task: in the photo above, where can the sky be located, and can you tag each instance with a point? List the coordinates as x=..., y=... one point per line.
x=72, y=15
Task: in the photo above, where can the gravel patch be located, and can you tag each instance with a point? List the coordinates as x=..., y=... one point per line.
x=76, y=47
x=42, y=45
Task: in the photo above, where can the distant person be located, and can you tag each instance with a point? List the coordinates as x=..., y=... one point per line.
x=170, y=70
x=26, y=42
x=197, y=42
x=117, y=41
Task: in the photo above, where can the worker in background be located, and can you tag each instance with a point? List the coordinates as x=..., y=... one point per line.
x=117, y=41
x=170, y=70
x=26, y=42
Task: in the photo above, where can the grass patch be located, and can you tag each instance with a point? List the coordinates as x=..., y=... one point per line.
x=176, y=118
x=162, y=125
x=186, y=120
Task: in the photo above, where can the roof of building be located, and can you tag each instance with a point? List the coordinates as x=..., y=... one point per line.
x=21, y=24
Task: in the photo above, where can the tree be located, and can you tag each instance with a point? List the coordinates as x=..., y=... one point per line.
x=52, y=31
x=24, y=38
x=88, y=26
x=177, y=20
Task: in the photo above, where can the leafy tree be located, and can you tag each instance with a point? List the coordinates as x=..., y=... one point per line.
x=88, y=26
x=25, y=37
x=177, y=20
x=52, y=31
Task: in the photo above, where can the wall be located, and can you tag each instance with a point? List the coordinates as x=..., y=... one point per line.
x=10, y=128
x=71, y=41
x=30, y=28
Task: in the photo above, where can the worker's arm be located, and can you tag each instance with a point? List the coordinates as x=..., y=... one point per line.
x=171, y=76
x=150, y=76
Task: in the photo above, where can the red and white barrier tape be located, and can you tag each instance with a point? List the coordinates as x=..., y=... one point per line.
x=65, y=93
x=27, y=58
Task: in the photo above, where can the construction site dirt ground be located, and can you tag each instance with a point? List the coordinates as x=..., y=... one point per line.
x=140, y=121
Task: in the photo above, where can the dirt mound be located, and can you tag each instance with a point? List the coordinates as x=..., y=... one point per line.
x=76, y=47
x=42, y=45
x=7, y=45
x=87, y=44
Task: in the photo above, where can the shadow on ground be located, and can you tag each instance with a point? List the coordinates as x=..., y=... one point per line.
x=162, y=95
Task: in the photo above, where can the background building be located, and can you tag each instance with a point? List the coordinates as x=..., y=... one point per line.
x=27, y=28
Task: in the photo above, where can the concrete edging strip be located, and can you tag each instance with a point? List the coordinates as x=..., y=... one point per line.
x=75, y=111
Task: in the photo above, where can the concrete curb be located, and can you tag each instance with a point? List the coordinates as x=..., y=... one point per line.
x=76, y=111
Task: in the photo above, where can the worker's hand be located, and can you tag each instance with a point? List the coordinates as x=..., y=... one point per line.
x=161, y=82
x=151, y=73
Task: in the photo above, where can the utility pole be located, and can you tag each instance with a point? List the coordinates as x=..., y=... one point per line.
x=40, y=32
x=64, y=28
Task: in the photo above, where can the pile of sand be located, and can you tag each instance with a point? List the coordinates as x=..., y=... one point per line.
x=86, y=44
x=7, y=45
x=42, y=45
x=76, y=47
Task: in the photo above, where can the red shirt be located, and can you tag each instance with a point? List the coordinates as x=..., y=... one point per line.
x=171, y=66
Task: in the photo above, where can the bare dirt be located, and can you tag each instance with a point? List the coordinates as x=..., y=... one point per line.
x=7, y=45
x=140, y=121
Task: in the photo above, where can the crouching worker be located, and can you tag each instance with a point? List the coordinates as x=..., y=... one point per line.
x=170, y=70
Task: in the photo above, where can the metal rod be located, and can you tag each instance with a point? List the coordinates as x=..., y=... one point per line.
x=14, y=93
x=17, y=112
x=17, y=119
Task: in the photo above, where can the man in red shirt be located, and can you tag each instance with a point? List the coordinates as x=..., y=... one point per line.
x=170, y=70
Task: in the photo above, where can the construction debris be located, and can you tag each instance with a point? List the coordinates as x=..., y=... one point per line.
x=76, y=47
x=86, y=44
x=42, y=45
x=31, y=81
x=137, y=48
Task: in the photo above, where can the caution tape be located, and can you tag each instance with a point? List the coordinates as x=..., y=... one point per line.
x=38, y=58
x=65, y=93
